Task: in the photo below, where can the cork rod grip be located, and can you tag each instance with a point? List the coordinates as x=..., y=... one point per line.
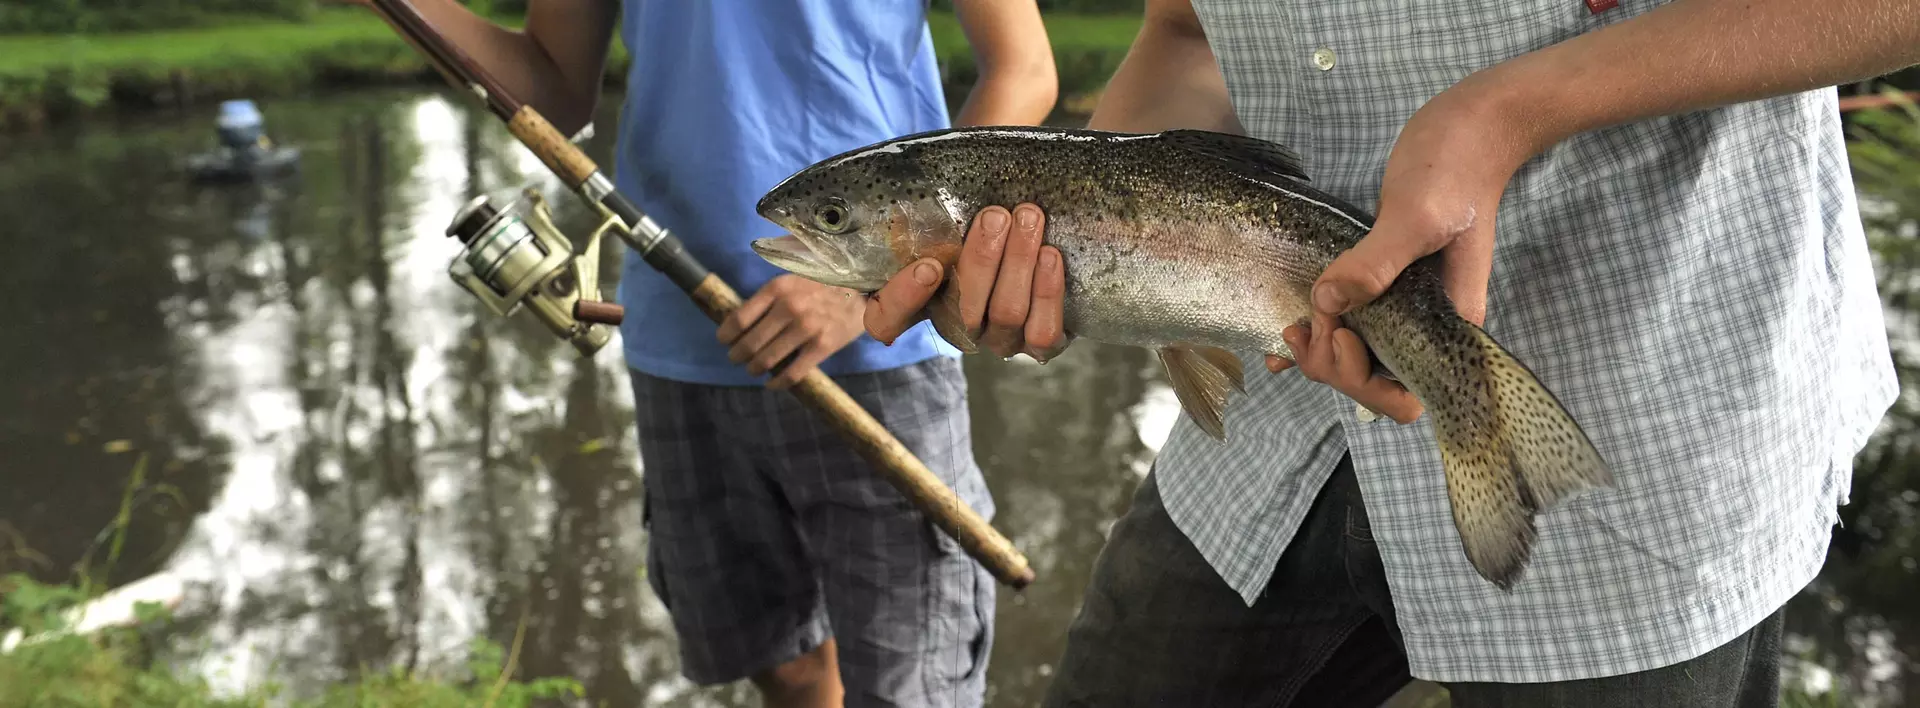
x=668, y=255
x=550, y=146
x=893, y=459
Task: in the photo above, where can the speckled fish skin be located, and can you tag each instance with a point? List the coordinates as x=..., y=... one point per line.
x=1198, y=244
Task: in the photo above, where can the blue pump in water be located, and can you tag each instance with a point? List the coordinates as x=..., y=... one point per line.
x=245, y=151
x=240, y=124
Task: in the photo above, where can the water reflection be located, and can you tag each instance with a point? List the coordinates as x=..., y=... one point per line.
x=372, y=468
x=355, y=465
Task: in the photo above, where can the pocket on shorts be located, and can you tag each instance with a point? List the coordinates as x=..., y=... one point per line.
x=979, y=590
x=981, y=644
x=1357, y=527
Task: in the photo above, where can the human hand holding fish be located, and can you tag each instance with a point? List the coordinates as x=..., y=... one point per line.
x=1439, y=192
x=1008, y=289
x=794, y=317
x=1199, y=244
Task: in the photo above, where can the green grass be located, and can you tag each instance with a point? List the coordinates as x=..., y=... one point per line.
x=122, y=665
x=1068, y=33
x=219, y=46
x=118, y=667
x=212, y=48
x=41, y=75
x=1086, y=51
x=52, y=75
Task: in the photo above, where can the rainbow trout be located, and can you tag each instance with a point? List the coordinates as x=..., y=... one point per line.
x=1197, y=245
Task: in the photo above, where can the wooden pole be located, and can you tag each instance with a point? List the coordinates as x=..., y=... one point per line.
x=664, y=252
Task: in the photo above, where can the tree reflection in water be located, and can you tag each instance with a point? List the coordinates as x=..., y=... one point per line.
x=369, y=469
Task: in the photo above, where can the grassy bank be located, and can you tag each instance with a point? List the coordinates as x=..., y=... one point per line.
x=125, y=663
x=51, y=77
x=119, y=666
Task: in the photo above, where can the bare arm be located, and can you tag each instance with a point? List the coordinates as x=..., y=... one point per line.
x=1169, y=78
x=1696, y=54
x=1457, y=153
x=554, y=64
x=1018, y=84
x=1453, y=159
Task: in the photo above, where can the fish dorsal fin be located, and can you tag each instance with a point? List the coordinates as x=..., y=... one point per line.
x=1264, y=162
x=1201, y=377
x=1239, y=151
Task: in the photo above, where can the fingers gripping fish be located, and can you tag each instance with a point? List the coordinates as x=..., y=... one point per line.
x=1196, y=245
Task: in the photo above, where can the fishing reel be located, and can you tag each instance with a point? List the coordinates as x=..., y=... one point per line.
x=516, y=257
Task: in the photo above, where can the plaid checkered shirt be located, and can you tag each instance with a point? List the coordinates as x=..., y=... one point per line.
x=1696, y=289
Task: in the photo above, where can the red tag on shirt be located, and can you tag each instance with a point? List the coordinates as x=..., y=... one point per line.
x=1599, y=6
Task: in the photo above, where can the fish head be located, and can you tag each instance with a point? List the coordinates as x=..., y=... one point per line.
x=855, y=220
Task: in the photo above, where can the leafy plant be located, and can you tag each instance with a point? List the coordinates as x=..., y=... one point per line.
x=1864, y=595
x=116, y=667
x=119, y=666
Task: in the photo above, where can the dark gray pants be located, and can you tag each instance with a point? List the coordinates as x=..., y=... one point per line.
x=1159, y=628
x=769, y=533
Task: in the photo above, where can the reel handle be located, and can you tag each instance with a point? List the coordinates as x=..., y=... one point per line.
x=669, y=256
x=599, y=312
x=666, y=254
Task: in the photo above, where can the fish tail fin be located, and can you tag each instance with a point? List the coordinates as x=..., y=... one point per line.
x=1511, y=451
x=1201, y=378
x=1552, y=454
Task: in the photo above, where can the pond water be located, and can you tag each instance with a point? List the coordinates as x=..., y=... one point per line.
x=367, y=468
x=353, y=464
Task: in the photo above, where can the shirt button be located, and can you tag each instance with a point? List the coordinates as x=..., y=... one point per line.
x=1362, y=414
x=1323, y=58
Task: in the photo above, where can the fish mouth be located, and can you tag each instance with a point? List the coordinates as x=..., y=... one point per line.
x=793, y=254
x=794, y=251
x=808, y=255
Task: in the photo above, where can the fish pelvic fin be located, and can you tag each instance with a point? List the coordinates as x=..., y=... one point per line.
x=944, y=311
x=1511, y=451
x=1202, y=378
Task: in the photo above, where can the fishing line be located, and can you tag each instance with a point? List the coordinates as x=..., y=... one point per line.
x=1621, y=537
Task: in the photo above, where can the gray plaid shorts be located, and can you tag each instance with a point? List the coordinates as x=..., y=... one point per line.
x=768, y=534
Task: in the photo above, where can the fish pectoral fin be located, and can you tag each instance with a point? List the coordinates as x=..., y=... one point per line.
x=944, y=311
x=1201, y=378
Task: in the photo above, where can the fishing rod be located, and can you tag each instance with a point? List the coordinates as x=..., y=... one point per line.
x=516, y=256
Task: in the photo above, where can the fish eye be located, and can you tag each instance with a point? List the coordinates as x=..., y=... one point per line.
x=832, y=216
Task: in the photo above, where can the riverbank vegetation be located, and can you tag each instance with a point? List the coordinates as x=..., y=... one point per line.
x=45, y=660
x=1860, y=612
x=58, y=59
x=1859, y=608
x=118, y=666
x=85, y=62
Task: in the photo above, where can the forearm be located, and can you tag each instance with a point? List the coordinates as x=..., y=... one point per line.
x=1017, y=84
x=1022, y=97
x=554, y=64
x=1697, y=54
x=1169, y=79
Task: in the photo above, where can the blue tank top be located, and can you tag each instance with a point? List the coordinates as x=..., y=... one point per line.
x=725, y=99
